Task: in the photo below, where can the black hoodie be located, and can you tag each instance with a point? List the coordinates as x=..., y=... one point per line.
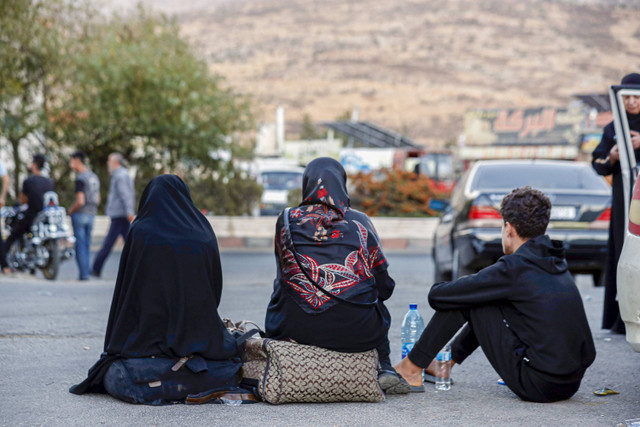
x=539, y=300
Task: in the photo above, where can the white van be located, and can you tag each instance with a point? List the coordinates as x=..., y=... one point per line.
x=277, y=181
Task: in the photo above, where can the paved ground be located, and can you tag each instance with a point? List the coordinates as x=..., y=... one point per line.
x=52, y=332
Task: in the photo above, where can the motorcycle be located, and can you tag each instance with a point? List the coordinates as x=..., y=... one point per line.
x=48, y=242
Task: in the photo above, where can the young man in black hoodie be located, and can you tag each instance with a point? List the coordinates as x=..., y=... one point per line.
x=524, y=311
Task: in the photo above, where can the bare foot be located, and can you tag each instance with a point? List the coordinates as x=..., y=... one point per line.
x=411, y=372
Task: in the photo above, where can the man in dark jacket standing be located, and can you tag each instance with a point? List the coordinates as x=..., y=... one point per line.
x=524, y=311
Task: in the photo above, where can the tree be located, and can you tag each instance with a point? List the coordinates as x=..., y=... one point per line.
x=309, y=130
x=31, y=52
x=139, y=89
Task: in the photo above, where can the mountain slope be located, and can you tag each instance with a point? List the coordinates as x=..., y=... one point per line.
x=413, y=65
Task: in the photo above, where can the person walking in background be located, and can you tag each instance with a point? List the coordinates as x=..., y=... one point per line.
x=4, y=176
x=84, y=210
x=606, y=161
x=33, y=190
x=120, y=205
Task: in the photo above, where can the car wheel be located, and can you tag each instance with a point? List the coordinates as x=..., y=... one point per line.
x=457, y=269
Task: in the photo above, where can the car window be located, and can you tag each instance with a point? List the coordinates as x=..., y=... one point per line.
x=457, y=196
x=281, y=180
x=541, y=176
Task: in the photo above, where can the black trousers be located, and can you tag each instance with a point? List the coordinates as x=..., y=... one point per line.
x=486, y=327
x=19, y=228
x=384, y=349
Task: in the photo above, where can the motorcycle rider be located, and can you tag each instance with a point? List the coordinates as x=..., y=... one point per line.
x=4, y=176
x=33, y=190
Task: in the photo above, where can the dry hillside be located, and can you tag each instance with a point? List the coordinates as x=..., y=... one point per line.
x=413, y=65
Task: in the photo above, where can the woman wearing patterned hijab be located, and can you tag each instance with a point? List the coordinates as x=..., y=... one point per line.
x=332, y=276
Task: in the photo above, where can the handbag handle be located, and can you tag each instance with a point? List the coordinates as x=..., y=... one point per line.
x=289, y=239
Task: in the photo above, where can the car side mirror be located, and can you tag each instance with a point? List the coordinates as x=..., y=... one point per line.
x=438, y=205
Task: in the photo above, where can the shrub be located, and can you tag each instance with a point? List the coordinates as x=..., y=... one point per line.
x=392, y=192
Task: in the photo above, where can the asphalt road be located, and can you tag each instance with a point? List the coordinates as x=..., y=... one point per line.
x=52, y=332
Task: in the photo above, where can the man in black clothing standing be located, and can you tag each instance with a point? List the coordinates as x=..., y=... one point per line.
x=524, y=311
x=606, y=161
x=33, y=190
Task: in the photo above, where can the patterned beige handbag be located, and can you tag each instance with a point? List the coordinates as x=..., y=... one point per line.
x=288, y=372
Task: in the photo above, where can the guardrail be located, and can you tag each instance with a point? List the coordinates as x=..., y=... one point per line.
x=257, y=232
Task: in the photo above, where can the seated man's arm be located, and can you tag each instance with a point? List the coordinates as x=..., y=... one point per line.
x=492, y=284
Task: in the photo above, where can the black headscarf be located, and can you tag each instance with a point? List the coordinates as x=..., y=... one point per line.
x=338, y=246
x=168, y=287
x=325, y=182
x=631, y=79
x=633, y=119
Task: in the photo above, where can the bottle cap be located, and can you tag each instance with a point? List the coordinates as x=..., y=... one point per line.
x=443, y=356
x=413, y=306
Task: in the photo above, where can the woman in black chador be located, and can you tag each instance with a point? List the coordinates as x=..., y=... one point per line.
x=164, y=337
x=331, y=274
x=606, y=162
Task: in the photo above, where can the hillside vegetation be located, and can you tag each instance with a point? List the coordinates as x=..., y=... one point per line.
x=413, y=65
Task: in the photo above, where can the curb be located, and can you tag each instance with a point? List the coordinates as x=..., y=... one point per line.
x=256, y=233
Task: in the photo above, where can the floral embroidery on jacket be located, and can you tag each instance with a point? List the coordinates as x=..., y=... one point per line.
x=332, y=277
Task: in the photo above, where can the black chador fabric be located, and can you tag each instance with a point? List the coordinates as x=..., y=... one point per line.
x=539, y=301
x=339, y=248
x=168, y=286
x=602, y=165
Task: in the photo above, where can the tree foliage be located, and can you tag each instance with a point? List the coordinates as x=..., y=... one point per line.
x=32, y=53
x=309, y=129
x=227, y=192
x=72, y=79
x=139, y=89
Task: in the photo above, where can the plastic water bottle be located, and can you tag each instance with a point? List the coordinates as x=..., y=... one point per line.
x=443, y=369
x=412, y=327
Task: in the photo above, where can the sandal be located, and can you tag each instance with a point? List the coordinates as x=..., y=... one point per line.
x=430, y=378
x=392, y=382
